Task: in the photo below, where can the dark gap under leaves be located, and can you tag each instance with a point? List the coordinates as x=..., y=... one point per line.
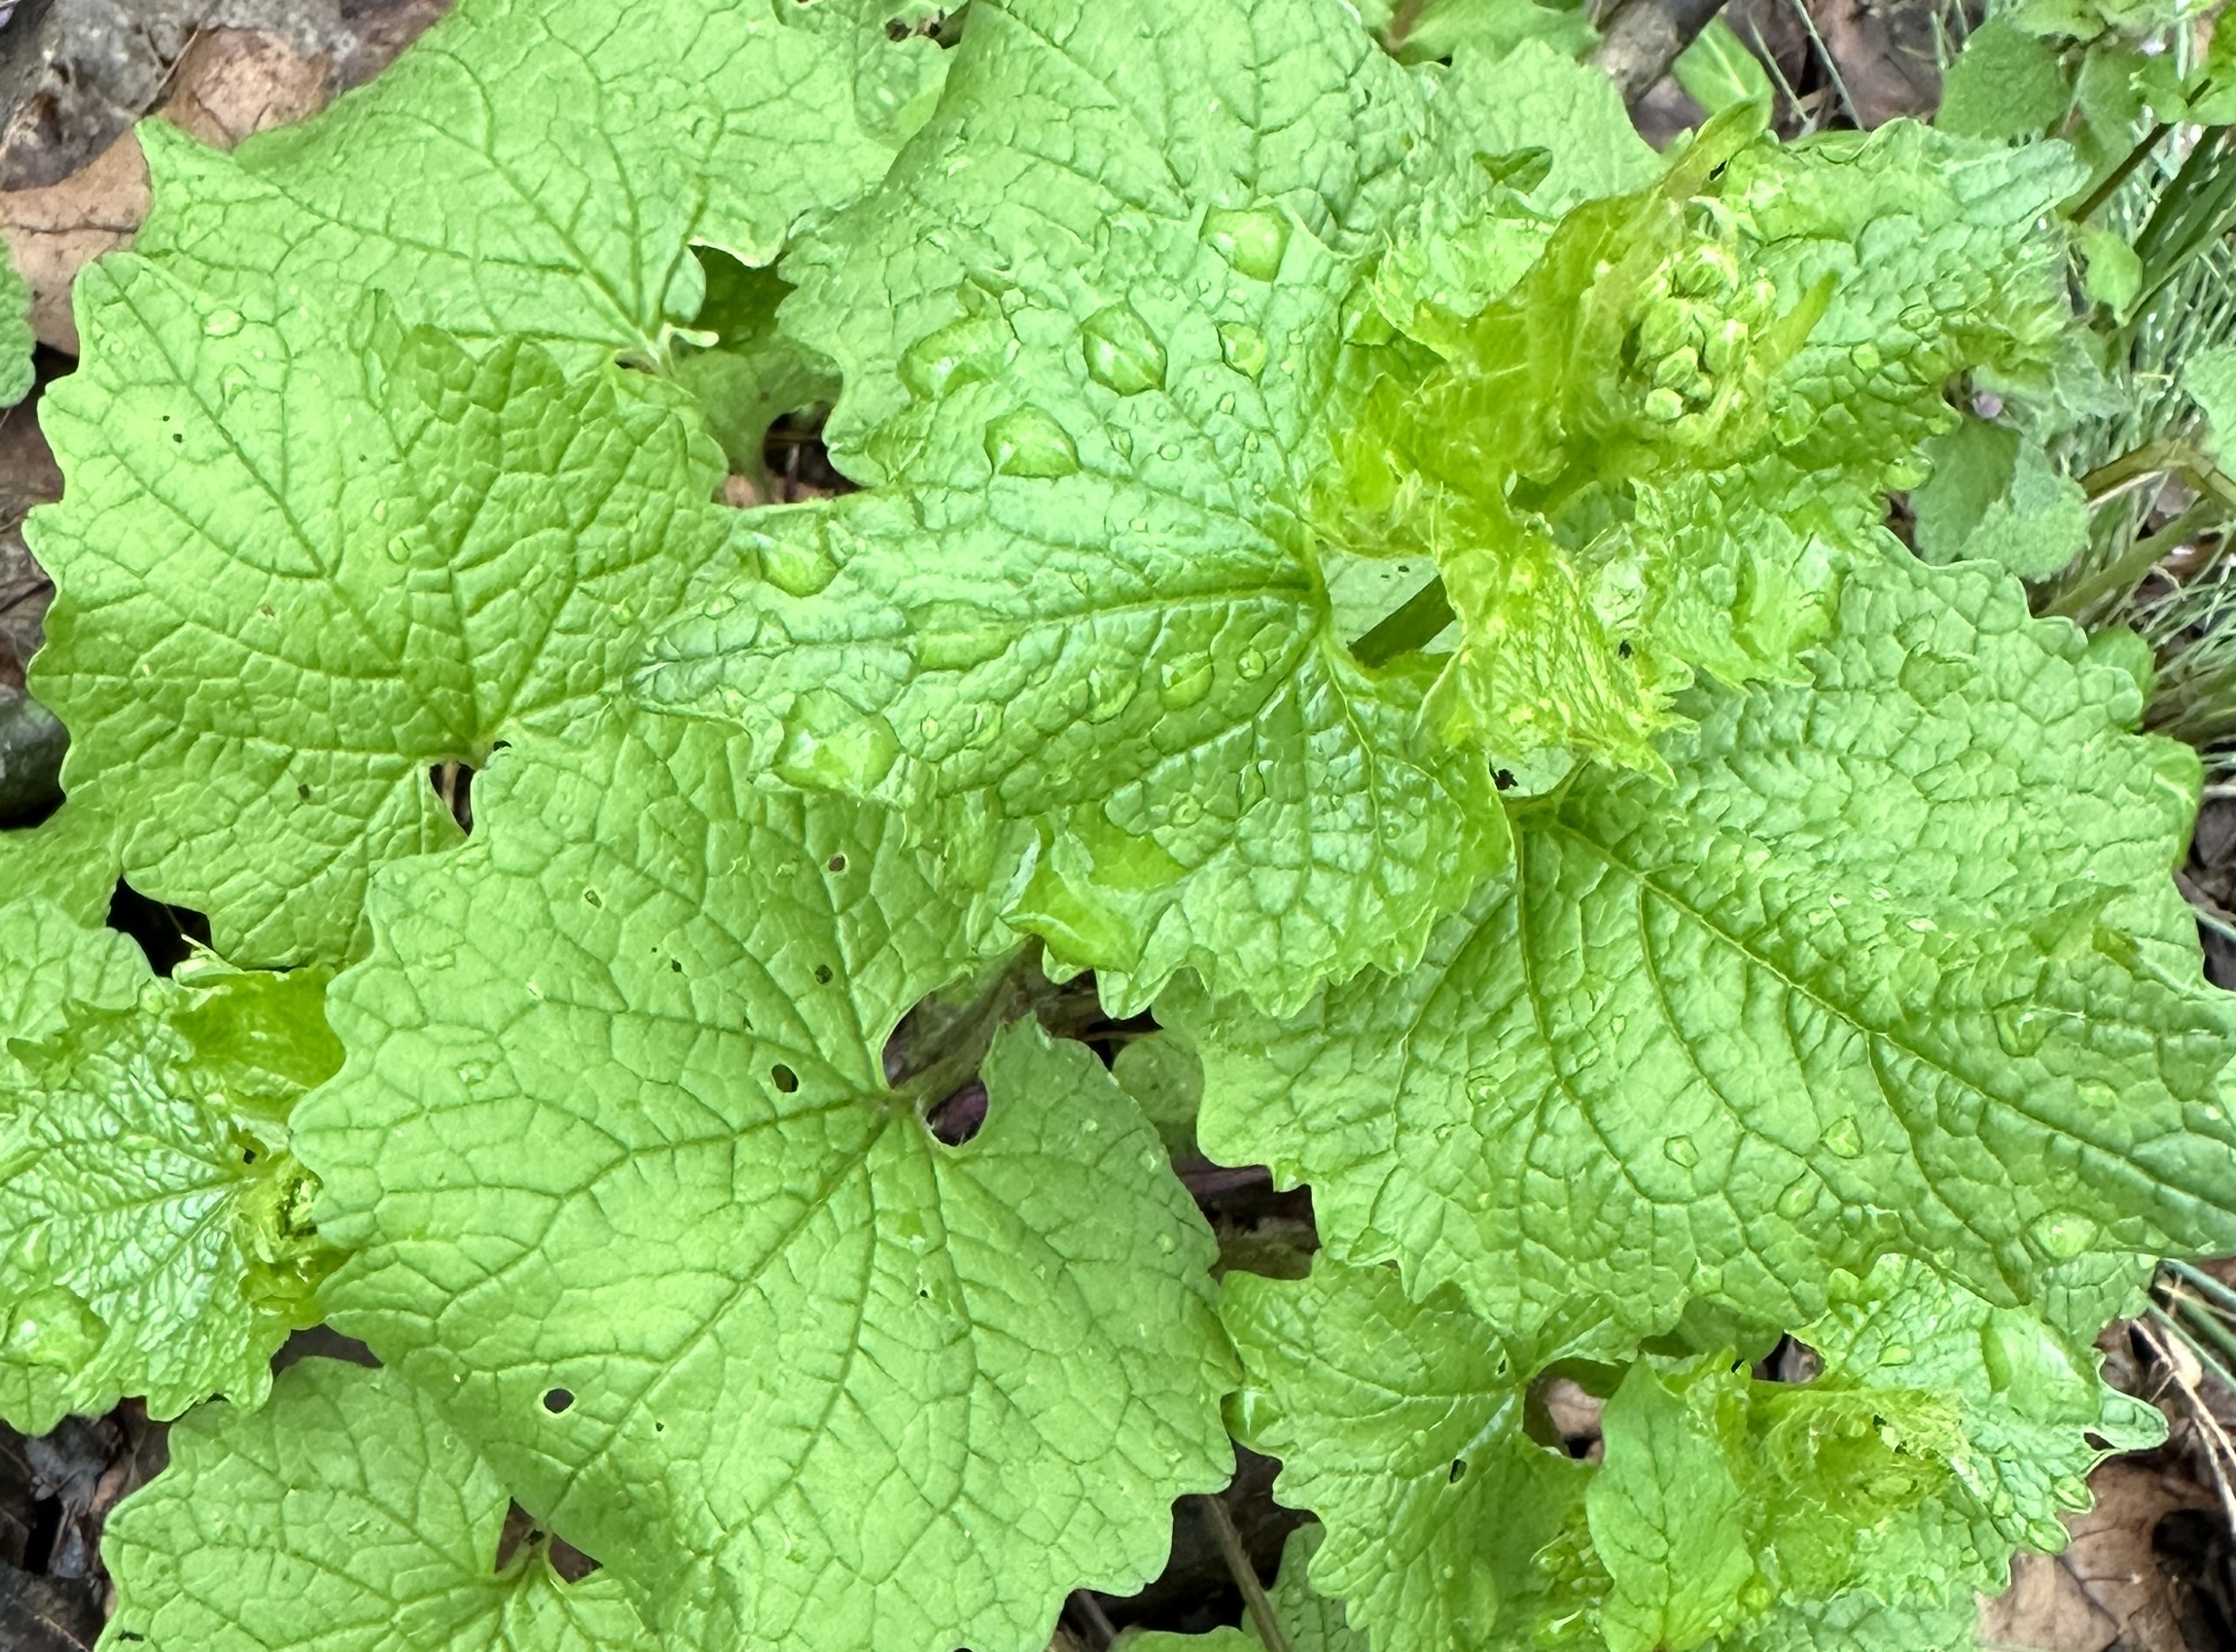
x=960, y=1116
x=521, y=1527
x=56, y=1492
x=798, y=464
x=454, y=784
x=321, y=1341
x=168, y=935
x=1195, y=1592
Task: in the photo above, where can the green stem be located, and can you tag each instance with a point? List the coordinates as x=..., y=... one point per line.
x=2119, y=577
x=2189, y=1331
x=2119, y=174
x=2198, y=1279
x=1414, y=625
x=1245, y=1574
x=2151, y=459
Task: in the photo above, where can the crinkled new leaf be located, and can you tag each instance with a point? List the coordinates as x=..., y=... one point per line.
x=159, y=1234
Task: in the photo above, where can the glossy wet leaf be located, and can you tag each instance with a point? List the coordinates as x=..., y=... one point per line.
x=1894, y=964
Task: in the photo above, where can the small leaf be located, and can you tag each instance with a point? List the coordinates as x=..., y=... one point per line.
x=1995, y=496
x=2114, y=273
x=2209, y=378
x=750, y=374
x=1666, y=1514
x=161, y=1242
x=2007, y=83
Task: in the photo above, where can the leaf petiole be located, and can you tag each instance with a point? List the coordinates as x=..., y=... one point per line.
x=1238, y=1563
x=1412, y=626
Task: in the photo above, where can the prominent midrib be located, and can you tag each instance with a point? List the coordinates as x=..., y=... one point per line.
x=1647, y=879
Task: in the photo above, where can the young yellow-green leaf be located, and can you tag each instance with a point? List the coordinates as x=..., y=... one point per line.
x=1636, y=461
x=1545, y=137
x=295, y=575
x=1893, y=965
x=1516, y=451
x=1939, y=264
x=1399, y=1424
x=1667, y=1513
x=1097, y=380
x=632, y=1193
x=346, y=1516
x=531, y=167
x=1310, y=1621
x=1102, y=391
x=160, y=1238
x=1729, y=1511
x=2030, y=1402
x=49, y=961
x=73, y=858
